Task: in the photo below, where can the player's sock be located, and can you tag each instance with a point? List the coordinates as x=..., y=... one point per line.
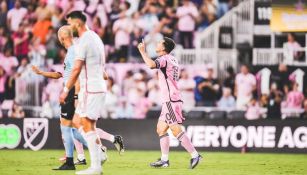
x=164, y=145
x=79, y=149
x=104, y=135
x=68, y=142
x=93, y=147
x=187, y=144
x=78, y=136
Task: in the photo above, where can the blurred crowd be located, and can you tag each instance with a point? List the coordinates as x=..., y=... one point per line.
x=28, y=35
x=139, y=92
x=285, y=97
x=135, y=91
x=28, y=27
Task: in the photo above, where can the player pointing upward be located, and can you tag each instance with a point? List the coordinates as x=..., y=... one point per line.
x=171, y=115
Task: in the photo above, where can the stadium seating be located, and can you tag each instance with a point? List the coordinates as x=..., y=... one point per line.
x=236, y=114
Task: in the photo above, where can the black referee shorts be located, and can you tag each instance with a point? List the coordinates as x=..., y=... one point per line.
x=68, y=109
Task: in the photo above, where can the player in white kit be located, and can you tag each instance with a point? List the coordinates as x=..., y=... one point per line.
x=88, y=66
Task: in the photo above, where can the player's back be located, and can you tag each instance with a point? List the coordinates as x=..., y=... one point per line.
x=92, y=49
x=168, y=78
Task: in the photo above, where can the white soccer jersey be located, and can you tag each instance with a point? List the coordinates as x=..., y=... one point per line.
x=90, y=49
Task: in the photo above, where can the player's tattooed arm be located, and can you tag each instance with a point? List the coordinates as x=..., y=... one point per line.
x=77, y=87
x=72, y=79
x=77, y=90
x=149, y=62
x=74, y=74
x=54, y=75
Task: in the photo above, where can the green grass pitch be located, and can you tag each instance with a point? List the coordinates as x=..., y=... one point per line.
x=26, y=162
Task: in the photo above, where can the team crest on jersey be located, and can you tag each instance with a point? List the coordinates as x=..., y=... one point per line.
x=35, y=133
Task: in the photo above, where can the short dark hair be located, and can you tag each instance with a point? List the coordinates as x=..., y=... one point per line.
x=169, y=44
x=293, y=35
x=77, y=15
x=127, y=4
x=230, y=70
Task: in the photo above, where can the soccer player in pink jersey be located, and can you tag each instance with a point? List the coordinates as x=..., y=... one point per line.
x=171, y=115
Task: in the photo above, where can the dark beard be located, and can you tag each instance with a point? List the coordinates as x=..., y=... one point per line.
x=75, y=34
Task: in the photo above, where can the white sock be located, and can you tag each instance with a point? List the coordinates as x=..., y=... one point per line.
x=112, y=139
x=93, y=148
x=194, y=154
x=81, y=157
x=164, y=157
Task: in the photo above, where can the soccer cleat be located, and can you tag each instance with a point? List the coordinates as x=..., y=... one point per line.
x=119, y=144
x=66, y=166
x=194, y=161
x=160, y=163
x=80, y=162
x=89, y=171
x=103, y=154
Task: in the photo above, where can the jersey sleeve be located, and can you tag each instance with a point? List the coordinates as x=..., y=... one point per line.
x=160, y=62
x=81, y=51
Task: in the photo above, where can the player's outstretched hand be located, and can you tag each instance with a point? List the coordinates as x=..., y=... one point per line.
x=141, y=46
x=36, y=70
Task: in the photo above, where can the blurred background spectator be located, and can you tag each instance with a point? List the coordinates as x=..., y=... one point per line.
x=186, y=14
x=209, y=90
x=293, y=48
x=281, y=78
x=274, y=102
x=2, y=84
x=8, y=61
x=253, y=110
x=245, y=84
x=304, y=114
x=16, y=111
x=294, y=98
x=229, y=81
x=124, y=110
x=227, y=100
x=15, y=16
x=186, y=86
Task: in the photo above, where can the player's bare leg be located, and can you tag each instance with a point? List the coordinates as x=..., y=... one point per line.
x=117, y=140
x=94, y=146
x=162, y=128
x=79, y=141
x=186, y=143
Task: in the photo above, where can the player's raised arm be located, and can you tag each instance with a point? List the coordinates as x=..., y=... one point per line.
x=54, y=75
x=149, y=62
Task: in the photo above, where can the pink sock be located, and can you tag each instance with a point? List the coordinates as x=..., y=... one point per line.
x=104, y=135
x=79, y=147
x=164, y=145
x=187, y=144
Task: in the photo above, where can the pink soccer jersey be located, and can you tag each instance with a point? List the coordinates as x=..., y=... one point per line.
x=295, y=99
x=168, y=78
